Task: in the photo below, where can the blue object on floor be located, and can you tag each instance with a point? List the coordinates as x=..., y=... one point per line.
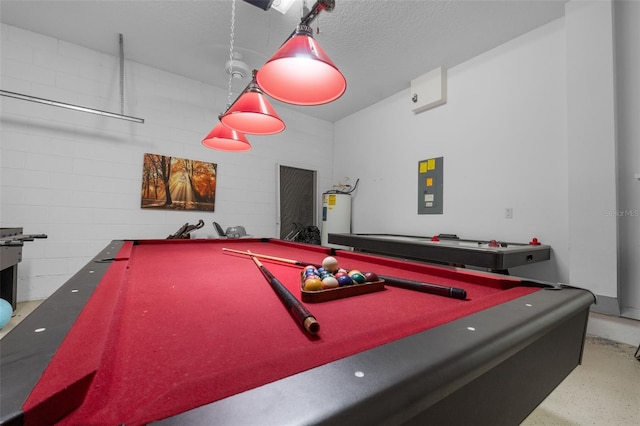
x=5, y=312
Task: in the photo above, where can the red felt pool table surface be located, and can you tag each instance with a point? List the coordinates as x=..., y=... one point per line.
x=177, y=324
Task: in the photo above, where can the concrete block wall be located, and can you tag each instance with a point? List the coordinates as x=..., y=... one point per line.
x=77, y=177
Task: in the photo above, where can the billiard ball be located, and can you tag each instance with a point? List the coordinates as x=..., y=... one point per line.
x=358, y=278
x=330, y=264
x=344, y=280
x=313, y=284
x=371, y=276
x=353, y=271
x=329, y=282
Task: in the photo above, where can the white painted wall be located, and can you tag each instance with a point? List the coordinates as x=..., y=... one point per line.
x=503, y=137
x=627, y=37
x=592, y=146
x=529, y=125
x=77, y=177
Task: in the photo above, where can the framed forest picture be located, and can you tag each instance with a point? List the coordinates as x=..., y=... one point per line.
x=178, y=184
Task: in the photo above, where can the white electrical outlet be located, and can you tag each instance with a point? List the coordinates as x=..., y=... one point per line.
x=508, y=213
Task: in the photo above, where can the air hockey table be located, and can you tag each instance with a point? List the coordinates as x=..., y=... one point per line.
x=495, y=256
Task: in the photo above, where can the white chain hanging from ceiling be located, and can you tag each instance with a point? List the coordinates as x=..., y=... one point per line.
x=231, y=36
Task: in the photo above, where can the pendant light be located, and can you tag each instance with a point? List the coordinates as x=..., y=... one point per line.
x=252, y=113
x=225, y=139
x=222, y=137
x=301, y=73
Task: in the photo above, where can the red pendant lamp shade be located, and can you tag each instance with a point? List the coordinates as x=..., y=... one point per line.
x=252, y=113
x=226, y=139
x=301, y=73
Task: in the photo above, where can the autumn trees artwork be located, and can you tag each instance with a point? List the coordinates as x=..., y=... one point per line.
x=177, y=183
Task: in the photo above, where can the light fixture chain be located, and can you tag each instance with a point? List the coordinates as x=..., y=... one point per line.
x=233, y=20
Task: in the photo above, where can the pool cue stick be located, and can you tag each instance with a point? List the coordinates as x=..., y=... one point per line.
x=306, y=319
x=438, y=290
x=264, y=256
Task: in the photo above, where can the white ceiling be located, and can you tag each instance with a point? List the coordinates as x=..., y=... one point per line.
x=379, y=45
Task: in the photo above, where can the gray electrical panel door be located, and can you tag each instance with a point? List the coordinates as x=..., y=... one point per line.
x=430, y=186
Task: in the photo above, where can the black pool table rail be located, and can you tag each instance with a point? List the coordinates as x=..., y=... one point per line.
x=28, y=349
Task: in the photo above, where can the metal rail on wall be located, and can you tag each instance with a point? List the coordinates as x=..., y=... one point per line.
x=50, y=102
x=69, y=106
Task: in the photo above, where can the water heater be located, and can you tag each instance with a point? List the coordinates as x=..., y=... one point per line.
x=336, y=216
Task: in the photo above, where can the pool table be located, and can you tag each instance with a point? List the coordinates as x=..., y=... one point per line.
x=180, y=332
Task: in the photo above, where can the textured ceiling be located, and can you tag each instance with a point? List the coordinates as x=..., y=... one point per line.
x=379, y=45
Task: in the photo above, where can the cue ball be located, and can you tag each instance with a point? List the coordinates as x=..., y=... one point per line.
x=330, y=264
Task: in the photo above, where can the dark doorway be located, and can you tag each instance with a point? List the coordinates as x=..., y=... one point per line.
x=297, y=200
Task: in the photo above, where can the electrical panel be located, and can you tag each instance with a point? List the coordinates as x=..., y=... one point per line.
x=430, y=186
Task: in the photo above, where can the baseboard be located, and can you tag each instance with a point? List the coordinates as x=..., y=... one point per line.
x=606, y=305
x=614, y=328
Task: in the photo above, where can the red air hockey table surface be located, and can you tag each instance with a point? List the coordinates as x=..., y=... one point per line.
x=181, y=332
